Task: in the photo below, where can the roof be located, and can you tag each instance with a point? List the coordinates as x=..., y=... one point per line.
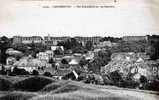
x=73, y=62
x=11, y=51
x=30, y=62
x=62, y=72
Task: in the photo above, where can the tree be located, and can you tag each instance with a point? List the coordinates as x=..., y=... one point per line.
x=48, y=74
x=153, y=47
x=100, y=60
x=35, y=72
x=83, y=62
x=58, y=51
x=64, y=61
x=4, y=45
x=72, y=44
x=89, y=45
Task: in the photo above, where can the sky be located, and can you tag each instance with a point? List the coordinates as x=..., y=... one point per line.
x=128, y=17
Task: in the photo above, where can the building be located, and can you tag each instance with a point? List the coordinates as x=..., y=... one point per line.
x=46, y=56
x=83, y=40
x=130, y=56
x=153, y=38
x=30, y=64
x=53, y=41
x=10, y=60
x=27, y=40
x=135, y=38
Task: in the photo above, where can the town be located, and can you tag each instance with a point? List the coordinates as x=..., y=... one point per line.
x=127, y=62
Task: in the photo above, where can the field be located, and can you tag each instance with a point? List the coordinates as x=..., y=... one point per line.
x=44, y=88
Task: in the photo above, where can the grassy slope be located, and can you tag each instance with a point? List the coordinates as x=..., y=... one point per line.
x=70, y=90
x=80, y=91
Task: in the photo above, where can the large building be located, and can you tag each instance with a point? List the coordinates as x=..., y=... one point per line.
x=135, y=38
x=52, y=41
x=84, y=40
x=27, y=40
x=46, y=56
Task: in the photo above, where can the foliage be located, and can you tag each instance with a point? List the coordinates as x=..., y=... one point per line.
x=64, y=61
x=89, y=45
x=153, y=49
x=30, y=49
x=130, y=46
x=112, y=39
x=32, y=84
x=72, y=44
x=4, y=45
x=100, y=60
x=5, y=84
x=35, y=72
x=83, y=62
x=17, y=71
x=48, y=74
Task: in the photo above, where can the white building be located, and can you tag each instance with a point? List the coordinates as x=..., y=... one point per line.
x=47, y=55
x=10, y=60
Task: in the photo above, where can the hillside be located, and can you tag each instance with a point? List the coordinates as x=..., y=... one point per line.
x=71, y=90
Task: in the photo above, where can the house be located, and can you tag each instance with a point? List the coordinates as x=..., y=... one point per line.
x=53, y=41
x=130, y=56
x=135, y=38
x=10, y=60
x=136, y=64
x=30, y=64
x=73, y=75
x=13, y=52
x=58, y=50
x=83, y=40
x=46, y=56
x=73, y=63
x=89, y=56
x=104, y=44
x=27, y=40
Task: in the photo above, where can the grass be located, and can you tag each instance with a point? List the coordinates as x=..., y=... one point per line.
x=80, y=95
x=35, y=83
x=18, y=96
x=54, y=86
x=5, y=84
x=45, y=88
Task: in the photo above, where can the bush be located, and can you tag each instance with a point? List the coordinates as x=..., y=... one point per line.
x=5, y=84
x=35, y=72
x=152, y=85
x=107, y=80
x=32, y=84
x=115, y=77
x=128, y=84
x=2, y=72
x=17, y=71
x=48, y=74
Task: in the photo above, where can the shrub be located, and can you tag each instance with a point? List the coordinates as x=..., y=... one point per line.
x=107, y=80
x=2, y=72
x=48, y=74
x=128, y=84
x=32, y=84
x=35, y=72
x=17, y=71
x=5, y=84
x=152, y=85
x=115, y=77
